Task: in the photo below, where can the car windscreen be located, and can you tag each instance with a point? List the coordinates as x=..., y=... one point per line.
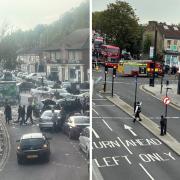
x=81, y=120
x=32, y=142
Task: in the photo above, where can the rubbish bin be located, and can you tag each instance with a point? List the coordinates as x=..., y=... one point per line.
x=151, y=82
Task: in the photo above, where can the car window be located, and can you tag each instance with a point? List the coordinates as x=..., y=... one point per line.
x=32, y=142
x=81, y=120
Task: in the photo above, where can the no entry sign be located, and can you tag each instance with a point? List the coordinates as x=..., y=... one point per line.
x=166, y=100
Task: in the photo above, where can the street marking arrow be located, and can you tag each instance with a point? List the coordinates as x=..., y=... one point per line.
x=130, y=129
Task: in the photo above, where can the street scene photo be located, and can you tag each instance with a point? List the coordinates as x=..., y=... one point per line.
x=44, y=90
x=136, y=90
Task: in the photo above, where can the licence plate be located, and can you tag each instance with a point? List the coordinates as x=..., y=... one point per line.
x=32, y=156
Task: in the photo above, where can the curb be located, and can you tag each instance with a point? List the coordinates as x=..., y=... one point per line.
x=169, y=140
x=141, y=87
x=7, y=145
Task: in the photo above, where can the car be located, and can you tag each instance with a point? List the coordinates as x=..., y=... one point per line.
x=25, y=86
x=74, y=125
x=33, y=146
x=41, y=90
x=46, y=120
x=65, y=84
x=87, y=113
x=84, y=141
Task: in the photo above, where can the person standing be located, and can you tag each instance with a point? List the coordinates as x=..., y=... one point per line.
x=23, y=112
x=29, y=114
x=19, y=112
x=137, y=112
x=163, y=124
x=8, y=113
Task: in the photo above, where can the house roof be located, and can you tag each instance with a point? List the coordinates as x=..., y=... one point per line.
x=169, y=31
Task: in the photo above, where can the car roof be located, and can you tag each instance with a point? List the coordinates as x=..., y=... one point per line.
x=32, y=135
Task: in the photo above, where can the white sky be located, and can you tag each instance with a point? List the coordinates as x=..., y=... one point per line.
x=26, y=14
x=159, y=10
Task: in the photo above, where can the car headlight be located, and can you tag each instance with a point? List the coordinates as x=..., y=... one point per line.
x=45, y=146
x=18, y=148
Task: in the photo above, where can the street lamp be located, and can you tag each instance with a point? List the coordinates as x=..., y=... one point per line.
x=166, y=104
x=113, y=76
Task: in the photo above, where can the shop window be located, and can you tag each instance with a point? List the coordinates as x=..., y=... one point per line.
x=72, y=73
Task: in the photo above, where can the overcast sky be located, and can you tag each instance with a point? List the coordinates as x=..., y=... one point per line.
x=160, y=10
x=26, y=14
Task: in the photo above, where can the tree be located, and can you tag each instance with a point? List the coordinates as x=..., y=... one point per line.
x=147, y=43
x=121, y=24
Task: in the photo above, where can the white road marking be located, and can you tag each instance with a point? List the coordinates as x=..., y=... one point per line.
x=105, y=105
x=95, y=111
x=130, y=152
x=94, y=132
x=146, y=171
x=106, y=124
x=93, y=103
x=130, y=129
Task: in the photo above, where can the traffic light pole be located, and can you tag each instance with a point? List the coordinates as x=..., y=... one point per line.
x=166, y=104
x=105, y=81
x=135, y=95
x=112, y=84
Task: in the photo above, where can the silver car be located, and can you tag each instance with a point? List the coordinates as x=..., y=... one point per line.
x=46, y=120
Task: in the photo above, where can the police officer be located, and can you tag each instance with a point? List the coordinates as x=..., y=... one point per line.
x=137, y=112
x=23, y=112
x=19, y=112
x=7, y=113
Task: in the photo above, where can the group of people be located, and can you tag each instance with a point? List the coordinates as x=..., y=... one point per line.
x=22, y=112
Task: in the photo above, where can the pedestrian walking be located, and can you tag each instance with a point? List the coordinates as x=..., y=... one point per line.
x=137, y=112
x=19, y=112
x=7, y=113
x=29, y=114
x=54, y=120
x=23, y=112
x=163, y=124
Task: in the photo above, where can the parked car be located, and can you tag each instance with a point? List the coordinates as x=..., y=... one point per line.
x=41, y=90
x=25, y=86
x=33, y=146
x=84, y=141
x=65, y=84
x=46, y=120
x=74, y=125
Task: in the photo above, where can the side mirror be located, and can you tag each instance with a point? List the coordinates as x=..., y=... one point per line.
x=49, y=138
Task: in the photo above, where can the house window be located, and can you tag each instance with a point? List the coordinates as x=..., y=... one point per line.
x=175, y=42
x=168, y=44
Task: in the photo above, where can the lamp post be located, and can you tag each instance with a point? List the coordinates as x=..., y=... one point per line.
x=178, y=89
x=113, y=76
x=166, y=104
x=135, y=94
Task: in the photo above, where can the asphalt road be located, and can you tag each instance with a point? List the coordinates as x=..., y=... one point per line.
x=66, y=161
x=123, y=153
x=151, y=107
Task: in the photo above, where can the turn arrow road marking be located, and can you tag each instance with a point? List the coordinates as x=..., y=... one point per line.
x=130, y=129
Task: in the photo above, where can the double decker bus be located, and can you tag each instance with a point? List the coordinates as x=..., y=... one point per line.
x=110, y=55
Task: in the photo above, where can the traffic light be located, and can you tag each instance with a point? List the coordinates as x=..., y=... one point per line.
x=114, y=71
x=106, y=69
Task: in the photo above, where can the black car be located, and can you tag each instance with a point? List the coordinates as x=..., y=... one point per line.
x=33, y=146
x=74, y=125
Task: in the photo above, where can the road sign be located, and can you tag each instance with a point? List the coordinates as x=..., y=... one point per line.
x=166, y=100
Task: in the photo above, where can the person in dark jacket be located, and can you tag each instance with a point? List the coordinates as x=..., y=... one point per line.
x=163, y=124
x=23, y=112
x=137, y=112
x=7, y=113
x=19, y=112
x=29, y=113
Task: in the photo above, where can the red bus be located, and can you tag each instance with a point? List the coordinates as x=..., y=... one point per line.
x=110, y=55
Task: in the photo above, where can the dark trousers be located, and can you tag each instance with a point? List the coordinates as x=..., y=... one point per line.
x=7, y=119
x=137, y=116
x=163, y=129
x=19, y=116
x=22, y=120
x=29, y=116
